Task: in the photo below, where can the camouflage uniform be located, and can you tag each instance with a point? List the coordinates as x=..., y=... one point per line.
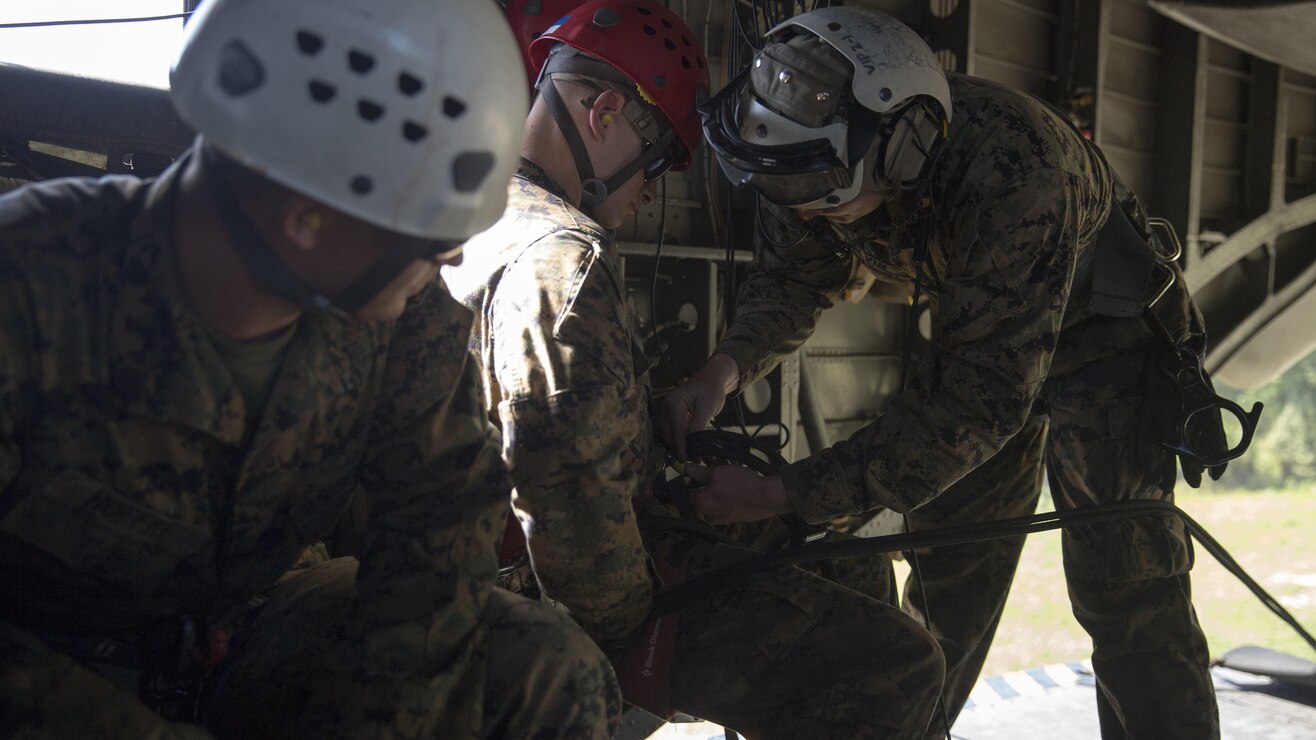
x=567, y=382
x=1017, y=196
x=131, y=495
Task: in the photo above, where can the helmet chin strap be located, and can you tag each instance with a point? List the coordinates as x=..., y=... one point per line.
x=594, y=190
x=275, y=275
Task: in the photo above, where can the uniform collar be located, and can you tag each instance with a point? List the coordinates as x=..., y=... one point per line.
x=535, y=175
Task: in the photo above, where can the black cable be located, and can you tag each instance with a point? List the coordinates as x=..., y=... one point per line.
x=740, y=26
x=920, y=255
x=758, y=222
x=733, y=576
x=653, y=288
x=95, y=21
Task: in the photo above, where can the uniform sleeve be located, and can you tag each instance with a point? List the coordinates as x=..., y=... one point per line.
x=17, y=342
x=778, y=305
x=438, y=495
x=1000, y=313
x=572, y=410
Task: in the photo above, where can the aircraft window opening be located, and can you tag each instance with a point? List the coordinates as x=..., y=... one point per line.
x=127, y=41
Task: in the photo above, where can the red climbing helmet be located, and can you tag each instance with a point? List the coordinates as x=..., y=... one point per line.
x=649, y=44
x=529, y=19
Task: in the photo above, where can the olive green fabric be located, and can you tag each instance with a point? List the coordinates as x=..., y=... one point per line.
x=803, y=78
x=254, y=364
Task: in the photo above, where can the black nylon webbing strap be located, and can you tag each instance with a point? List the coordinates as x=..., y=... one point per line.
x=1122, y=265
x=264, y=262
x=275, y=274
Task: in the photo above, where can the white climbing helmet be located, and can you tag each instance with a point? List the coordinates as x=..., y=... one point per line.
x=788, y=128
x=407, y=114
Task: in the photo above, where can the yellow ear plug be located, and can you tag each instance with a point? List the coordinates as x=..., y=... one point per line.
x=607, y=119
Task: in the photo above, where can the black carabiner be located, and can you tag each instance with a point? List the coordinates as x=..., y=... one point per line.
x=1200, y=402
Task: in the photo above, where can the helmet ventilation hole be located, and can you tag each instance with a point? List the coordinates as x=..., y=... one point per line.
x=409, y=84
x=309, y=43
x=240, y=71
x=644, y=11
x=321, y=92
x=606, y=18
x=413, y=132
x=469, y=170
x=360, y=62
x=649, y=30
x=362, y=185
x=452, y=107
x=369, y=110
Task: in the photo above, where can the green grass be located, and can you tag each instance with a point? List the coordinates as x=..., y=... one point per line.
x=1270, y=533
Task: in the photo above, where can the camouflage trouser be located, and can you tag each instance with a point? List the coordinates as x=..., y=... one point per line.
x=292, y=671
x=1128, y=580
x=967, y=585
x=789, y=654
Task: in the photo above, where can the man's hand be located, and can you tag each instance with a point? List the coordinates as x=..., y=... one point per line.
x=693, y=405
x=733, y=494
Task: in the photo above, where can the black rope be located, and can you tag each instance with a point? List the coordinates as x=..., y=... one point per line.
x=733, y=576
x=95, y=21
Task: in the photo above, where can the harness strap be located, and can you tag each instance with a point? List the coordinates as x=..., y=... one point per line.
x=645, y=669
x=1122, y=260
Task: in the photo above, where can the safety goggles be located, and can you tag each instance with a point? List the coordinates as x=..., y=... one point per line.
x=660, y=156
x=795, y=165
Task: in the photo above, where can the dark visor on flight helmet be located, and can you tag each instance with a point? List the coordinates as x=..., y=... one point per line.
x=794, y=173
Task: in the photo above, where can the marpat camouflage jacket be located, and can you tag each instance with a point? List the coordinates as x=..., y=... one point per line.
x=121, y=451
x=566, y=381
x=1017, y=196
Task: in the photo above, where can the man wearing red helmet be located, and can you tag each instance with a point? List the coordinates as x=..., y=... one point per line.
x=566, y=381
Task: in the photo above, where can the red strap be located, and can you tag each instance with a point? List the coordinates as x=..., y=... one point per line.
x=514, y=546
x=212, y=653
x=645, y=670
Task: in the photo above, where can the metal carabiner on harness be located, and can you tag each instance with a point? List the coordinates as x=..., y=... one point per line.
x=1198, y=434
x=1196, y=431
